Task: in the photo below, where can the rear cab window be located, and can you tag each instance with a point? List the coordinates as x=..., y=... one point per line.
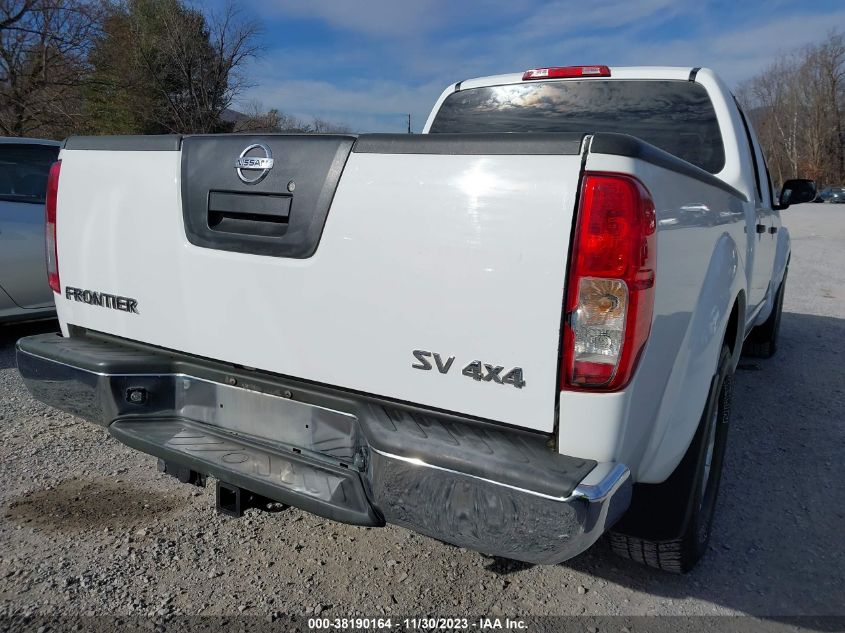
x=24, y=170
x=676, y=116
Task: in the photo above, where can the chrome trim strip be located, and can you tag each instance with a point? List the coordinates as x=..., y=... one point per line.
x=613, y=475
x=616, y=475
x=492, y=517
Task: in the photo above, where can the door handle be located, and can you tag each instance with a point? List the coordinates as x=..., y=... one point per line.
x=761, y=228
x=248, y=214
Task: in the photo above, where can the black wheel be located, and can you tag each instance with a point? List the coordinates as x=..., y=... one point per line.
x=668, y=524
x=762, y=342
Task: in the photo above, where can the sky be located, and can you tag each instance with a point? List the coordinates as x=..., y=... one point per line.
x=369, y=63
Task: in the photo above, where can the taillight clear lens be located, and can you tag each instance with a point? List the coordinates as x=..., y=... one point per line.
x=610, y=287
x=50, y=227
x=598, y=324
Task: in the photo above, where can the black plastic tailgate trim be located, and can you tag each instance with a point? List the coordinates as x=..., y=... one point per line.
x=470, y=144
x=150, y=143
x=626, y=145
x=306, y=171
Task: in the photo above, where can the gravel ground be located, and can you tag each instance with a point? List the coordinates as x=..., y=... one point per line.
x=88, y=526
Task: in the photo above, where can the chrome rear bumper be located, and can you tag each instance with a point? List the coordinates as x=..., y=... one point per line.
x=340, y=455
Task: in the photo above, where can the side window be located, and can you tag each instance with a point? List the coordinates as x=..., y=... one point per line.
x=764, y=184
x=753, y=151
x=771, y=186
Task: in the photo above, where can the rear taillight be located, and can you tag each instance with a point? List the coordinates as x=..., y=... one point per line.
x=50, y=227
x=566, y=72
x=610, y=293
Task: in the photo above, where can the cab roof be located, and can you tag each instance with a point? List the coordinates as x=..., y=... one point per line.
x=616, y=72
x=20, y=140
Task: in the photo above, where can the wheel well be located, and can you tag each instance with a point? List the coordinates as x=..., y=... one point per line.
x=732, y=336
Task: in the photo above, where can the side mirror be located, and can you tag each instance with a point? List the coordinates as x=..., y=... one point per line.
x=796, y=191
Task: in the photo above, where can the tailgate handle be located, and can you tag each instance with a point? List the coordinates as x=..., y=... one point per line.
x=248, y=213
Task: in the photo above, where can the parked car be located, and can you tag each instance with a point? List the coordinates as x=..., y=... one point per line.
x=513, y=332
x=835, y=195
x=24, y=166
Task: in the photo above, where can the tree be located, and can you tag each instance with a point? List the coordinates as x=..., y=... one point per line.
x=161, y=66
x=321, y=126
x=44, y=46
x=829, y=61
x=257, y=120
x=128, y=67
x=798, y=112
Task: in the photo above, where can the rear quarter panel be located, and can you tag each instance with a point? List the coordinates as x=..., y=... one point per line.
x=700, y=273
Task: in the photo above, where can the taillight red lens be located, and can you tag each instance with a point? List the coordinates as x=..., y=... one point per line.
x=50, y=227
x=566, y=72
x=609, y=301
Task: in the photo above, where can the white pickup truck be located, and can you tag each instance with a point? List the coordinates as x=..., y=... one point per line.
x=514, y=332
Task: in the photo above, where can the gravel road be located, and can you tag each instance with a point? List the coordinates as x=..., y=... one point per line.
x=88, y=526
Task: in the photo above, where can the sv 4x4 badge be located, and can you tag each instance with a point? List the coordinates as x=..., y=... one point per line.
x=482, y=372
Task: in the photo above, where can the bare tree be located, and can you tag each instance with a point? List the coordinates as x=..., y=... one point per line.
x=163, y=66
x=828, y=59
x=197, y=64
x=797, y=108
x=255, y=119
x=129, y=66
x=44, y=46
x=14, y=12
x=322, y=126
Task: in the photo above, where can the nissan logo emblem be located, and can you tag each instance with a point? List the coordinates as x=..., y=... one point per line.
x=247, y=166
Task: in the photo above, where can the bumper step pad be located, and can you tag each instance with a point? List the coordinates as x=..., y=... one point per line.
x=272, y=471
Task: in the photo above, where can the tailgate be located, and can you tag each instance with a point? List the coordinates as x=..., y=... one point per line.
x=426, y=269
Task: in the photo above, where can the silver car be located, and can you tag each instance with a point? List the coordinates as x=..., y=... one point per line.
x=24, y=166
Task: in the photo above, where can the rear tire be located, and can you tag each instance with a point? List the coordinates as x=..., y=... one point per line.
x=762, y=342
x=668, y=525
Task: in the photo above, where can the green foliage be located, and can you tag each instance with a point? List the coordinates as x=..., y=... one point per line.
x=115, y=99
x=157, y=70
x=128, y=67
